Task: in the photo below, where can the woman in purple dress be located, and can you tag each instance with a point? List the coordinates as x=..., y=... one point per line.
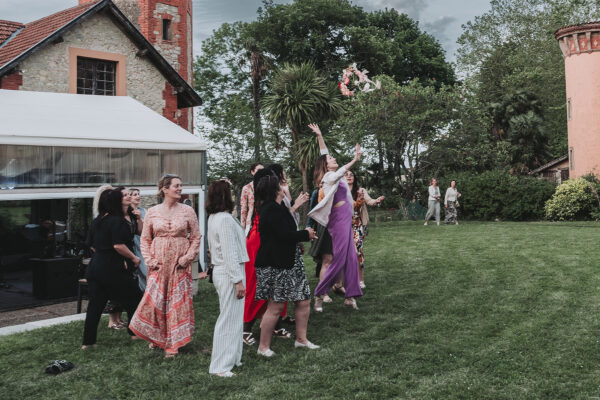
x=335, y=212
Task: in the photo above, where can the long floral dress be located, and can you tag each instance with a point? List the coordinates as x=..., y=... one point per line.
x=170, y=242
x=359, y=232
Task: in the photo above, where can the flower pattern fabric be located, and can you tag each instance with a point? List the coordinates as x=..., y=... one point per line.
x=247, y=205
x=170, y=242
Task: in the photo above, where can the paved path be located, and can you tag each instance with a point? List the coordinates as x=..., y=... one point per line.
x=29, y=326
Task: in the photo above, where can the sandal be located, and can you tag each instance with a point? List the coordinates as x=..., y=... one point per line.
x=338, y=289
x=327, y=299
x=168, y=354
x=116, y=327
x=282, y=333
x=350, y=302
x=152, y=346
x=248, y=338
x=318, y=304
x=59, y=366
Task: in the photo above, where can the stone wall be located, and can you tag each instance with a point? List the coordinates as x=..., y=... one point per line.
x=48, y=69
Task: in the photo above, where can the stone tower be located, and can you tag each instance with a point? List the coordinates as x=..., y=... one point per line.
x=580, y=46
x=167, y=24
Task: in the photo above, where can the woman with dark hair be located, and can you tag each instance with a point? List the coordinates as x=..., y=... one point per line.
x=108, y=275
x=139, y=213
x=114, y=308
x=360, y=219
x=279, y=269
x=335, y=212
x=253, y=308
x=170, y=242
x=227, y=246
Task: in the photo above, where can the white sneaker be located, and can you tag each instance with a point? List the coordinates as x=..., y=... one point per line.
x=308, y=345
x=362, y=285
x=266, y=353
x=226, y=374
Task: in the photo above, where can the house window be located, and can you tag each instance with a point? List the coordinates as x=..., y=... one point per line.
x=569, y=109
x=571, y=160
x=96, y=76
x=166, y=32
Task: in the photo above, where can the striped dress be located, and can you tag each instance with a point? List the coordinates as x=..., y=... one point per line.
x=227, y=246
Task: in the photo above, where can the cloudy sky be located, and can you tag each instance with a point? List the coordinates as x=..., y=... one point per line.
x=441, y=18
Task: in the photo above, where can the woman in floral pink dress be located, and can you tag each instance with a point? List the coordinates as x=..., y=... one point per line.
x=170, y=242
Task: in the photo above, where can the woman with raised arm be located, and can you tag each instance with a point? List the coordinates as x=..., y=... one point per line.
x=170, y=242
x=360, y=219
x=335, y=212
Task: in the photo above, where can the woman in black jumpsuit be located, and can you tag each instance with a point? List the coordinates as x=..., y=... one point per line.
x=108, y=275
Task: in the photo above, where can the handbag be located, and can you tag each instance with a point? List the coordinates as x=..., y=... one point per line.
x=456, y=204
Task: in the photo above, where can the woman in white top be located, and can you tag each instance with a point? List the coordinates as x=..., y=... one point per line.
x=450, y=202
x=433, y=202
x=227, y=245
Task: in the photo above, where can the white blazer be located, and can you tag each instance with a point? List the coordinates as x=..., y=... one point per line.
x=331, y=182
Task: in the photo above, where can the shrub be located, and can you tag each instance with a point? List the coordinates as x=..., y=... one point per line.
x=498, y=195
x=574, y=199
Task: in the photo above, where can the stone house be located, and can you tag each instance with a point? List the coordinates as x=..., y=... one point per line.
x=98, y=93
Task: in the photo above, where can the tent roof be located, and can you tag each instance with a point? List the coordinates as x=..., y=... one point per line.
x=75, y=120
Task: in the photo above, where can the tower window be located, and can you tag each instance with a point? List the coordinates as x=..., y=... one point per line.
x=166, y=32
x=571, y=159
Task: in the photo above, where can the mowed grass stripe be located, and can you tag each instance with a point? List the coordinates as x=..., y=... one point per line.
x=474, y=311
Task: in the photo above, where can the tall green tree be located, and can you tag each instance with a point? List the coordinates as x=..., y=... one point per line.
x=298, y=96
x=512, y=47
x=335, y=33
x=396, y=124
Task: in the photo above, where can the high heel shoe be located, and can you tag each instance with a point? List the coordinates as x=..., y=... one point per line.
x=351, y=303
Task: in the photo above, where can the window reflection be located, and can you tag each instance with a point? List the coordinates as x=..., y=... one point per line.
x=39, y=166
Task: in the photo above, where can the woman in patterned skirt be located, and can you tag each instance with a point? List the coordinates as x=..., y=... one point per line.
x=170, y=242
x=279, y=267
x=450, y=203
x=360, y=220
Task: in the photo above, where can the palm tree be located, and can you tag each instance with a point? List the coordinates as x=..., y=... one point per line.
x=299, y=95
x=259, y=64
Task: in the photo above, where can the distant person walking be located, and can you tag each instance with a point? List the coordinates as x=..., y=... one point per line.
x=433, y=202
x=450, y=203
x=140, y=214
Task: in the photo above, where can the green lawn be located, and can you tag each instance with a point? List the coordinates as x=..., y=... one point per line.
x=476, y=311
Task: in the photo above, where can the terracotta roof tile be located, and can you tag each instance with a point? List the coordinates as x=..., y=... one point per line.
x=33, y=32
x=7, y=28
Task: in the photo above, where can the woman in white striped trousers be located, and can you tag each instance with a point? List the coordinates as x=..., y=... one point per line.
x=227, y=245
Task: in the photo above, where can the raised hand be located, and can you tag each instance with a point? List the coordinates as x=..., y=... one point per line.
x=357, y=152
x=315, y=128
x=301, y=199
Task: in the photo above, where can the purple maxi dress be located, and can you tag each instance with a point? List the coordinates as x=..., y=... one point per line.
x=345, y=260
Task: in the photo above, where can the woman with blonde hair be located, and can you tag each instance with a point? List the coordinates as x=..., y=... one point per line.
x=170, y=242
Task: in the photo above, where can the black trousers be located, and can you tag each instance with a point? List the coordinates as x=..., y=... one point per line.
x=126, y=292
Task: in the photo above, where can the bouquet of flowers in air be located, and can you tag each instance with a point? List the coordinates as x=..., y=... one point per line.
x=356, y=79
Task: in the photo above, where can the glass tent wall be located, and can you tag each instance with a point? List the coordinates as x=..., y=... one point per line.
x=53, y=166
